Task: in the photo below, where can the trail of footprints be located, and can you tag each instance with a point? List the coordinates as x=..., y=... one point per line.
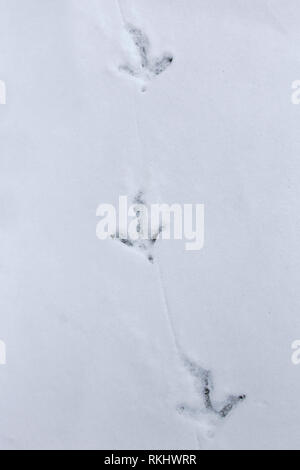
x=203, y=378
x=149, y=67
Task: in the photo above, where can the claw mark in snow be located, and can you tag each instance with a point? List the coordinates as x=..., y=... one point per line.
x=148, y=68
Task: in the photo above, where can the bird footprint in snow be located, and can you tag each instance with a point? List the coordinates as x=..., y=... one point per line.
x=204, y=388
x=145, y=240
x=148, y=68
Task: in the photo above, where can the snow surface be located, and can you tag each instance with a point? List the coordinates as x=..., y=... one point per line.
x=104, y=349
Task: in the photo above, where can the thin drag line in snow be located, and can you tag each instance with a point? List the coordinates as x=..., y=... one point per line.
x=275, y=20
x=167, y=309
x=137, y=126
x=121, y=11
x=172, y=329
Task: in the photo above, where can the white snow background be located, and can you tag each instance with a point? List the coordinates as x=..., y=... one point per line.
x=95, y=334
